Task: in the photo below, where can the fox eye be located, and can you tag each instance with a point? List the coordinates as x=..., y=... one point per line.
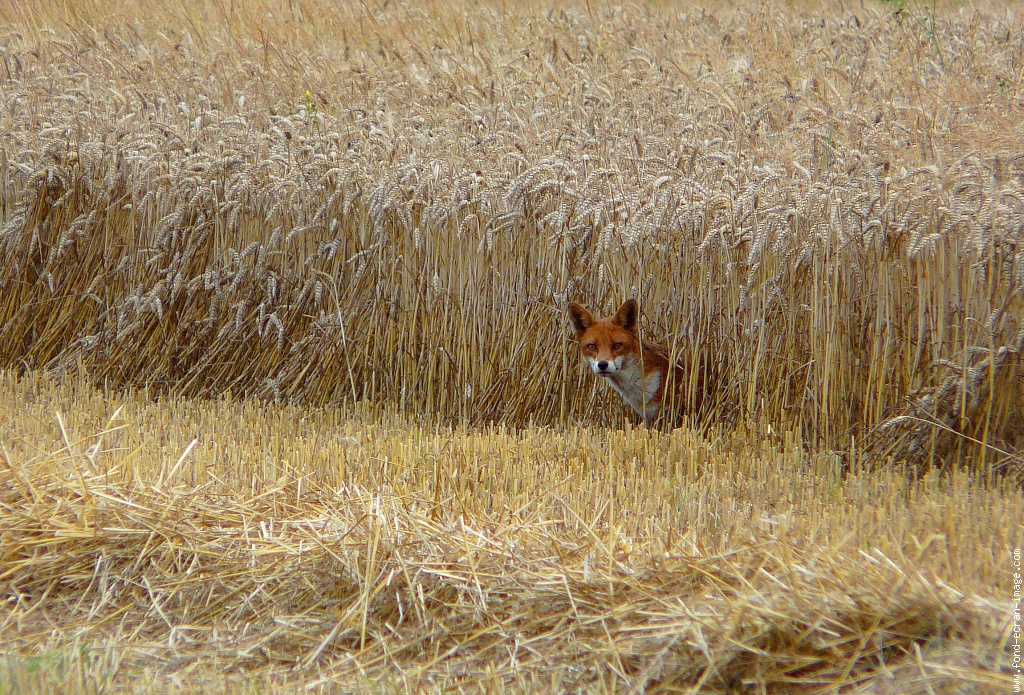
x=616, y=346
x=591, y=346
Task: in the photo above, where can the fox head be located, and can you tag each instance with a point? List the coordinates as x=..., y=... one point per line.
x=609, y=344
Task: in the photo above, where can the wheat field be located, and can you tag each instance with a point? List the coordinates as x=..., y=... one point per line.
x=289, y=402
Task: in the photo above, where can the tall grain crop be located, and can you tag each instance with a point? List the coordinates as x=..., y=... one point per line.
x=315, y=202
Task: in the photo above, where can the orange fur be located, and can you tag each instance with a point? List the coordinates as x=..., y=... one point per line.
x=613, y=350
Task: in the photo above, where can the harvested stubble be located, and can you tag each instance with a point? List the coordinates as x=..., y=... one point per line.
x=318, y=202
x=143, y=547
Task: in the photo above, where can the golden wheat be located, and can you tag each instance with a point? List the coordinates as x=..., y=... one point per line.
x=396, y=204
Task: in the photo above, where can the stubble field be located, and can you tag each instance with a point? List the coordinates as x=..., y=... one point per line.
x=289, y=402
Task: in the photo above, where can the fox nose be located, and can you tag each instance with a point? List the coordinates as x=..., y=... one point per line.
x=603, y=365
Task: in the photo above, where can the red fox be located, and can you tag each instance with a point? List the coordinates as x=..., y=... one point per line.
x=637, y=372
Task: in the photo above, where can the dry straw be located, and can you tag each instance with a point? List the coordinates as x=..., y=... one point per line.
x=348, y=550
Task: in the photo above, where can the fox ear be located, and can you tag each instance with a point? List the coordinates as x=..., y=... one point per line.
x=580, y=317
x=627, y=315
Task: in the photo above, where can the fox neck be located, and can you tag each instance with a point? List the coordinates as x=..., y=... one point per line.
x=640, y=390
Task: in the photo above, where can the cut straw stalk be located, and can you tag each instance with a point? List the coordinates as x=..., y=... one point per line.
x=760, y=568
